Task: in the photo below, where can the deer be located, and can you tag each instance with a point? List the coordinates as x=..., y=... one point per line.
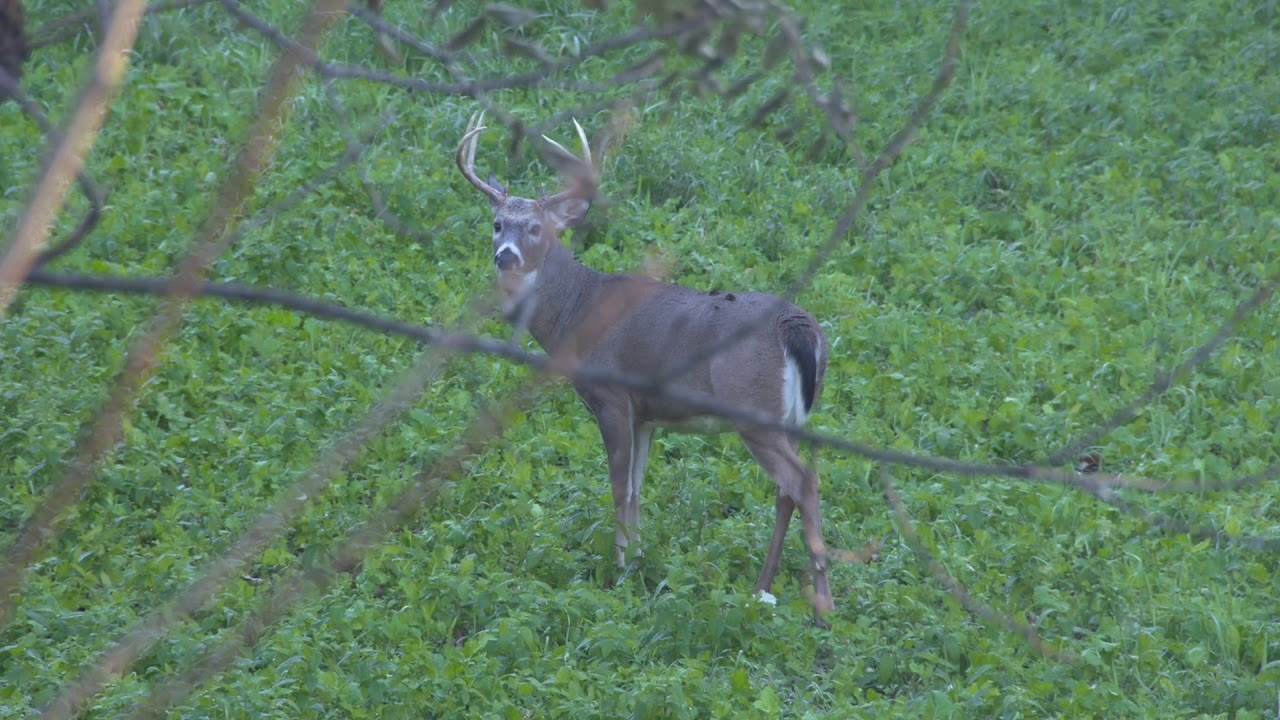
x=746, y=350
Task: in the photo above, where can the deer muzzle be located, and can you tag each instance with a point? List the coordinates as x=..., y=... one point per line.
x=506, y=259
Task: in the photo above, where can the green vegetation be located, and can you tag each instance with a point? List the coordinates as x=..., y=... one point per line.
x=1093, y=197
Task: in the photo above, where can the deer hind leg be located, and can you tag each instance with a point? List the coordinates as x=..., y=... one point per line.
x=797, y=488
x=784, y=508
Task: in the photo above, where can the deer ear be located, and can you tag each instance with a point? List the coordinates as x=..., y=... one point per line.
x=493, y=183
x=568, y=211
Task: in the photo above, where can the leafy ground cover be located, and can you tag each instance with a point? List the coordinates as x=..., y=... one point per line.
x=1094, y=196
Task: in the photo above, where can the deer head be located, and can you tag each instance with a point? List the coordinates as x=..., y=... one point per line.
x=524, y=229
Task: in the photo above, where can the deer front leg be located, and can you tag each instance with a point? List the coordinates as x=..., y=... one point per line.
x=641, y=439
x=619, y=444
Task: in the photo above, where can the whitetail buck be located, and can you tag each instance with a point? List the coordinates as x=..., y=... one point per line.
x=753, y=350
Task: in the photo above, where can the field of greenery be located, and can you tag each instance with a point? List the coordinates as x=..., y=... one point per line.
x=1090, y=201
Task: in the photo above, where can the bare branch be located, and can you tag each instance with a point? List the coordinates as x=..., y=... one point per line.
x=215, y=234
x=891, y=151
x=67, y=157
x=1092, y=483
x=378, y=23
x=955, y=588
x=1166, y=380
x=344, y=558
x=87, y=186
x=66, y=27
x=838, y=120
x=1174, y=526
x=354, y=152
x=866, y=184
x=112, y=664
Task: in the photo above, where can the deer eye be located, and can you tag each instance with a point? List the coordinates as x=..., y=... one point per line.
x=497, y=226
x=535, y=230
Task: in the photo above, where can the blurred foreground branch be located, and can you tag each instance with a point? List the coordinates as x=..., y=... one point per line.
x=66, y=160
x=214, y=236
x=462, y=342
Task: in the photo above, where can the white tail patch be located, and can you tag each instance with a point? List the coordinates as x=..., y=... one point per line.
x=793, y=412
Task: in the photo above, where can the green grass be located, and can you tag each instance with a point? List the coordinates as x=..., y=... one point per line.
x=1096, y=193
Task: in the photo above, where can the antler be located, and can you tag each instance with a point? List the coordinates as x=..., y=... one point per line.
x=583, y=169
x=466, y=158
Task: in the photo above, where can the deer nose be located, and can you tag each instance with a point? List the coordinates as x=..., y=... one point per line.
x=506, y=259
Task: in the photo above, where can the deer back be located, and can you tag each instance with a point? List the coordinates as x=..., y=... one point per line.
x=736, y=347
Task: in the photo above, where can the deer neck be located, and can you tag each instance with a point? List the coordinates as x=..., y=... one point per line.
x=561, y=296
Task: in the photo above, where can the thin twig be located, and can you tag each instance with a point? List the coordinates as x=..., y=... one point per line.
x=839, y=126
x=544, y=78
x=352, y=155
x=1174, y=526
x=382, y=212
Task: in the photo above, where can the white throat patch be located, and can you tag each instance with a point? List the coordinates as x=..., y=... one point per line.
x=527, y=283
x=518, y=293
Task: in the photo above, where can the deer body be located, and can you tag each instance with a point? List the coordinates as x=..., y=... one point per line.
x=754, y=350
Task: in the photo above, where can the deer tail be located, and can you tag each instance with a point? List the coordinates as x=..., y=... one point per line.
x=804, y=344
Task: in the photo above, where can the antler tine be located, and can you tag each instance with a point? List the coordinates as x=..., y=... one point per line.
x=560, y=148
x=466, y=158
x=586, y=158
x=584, y=167
x=586, y=146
